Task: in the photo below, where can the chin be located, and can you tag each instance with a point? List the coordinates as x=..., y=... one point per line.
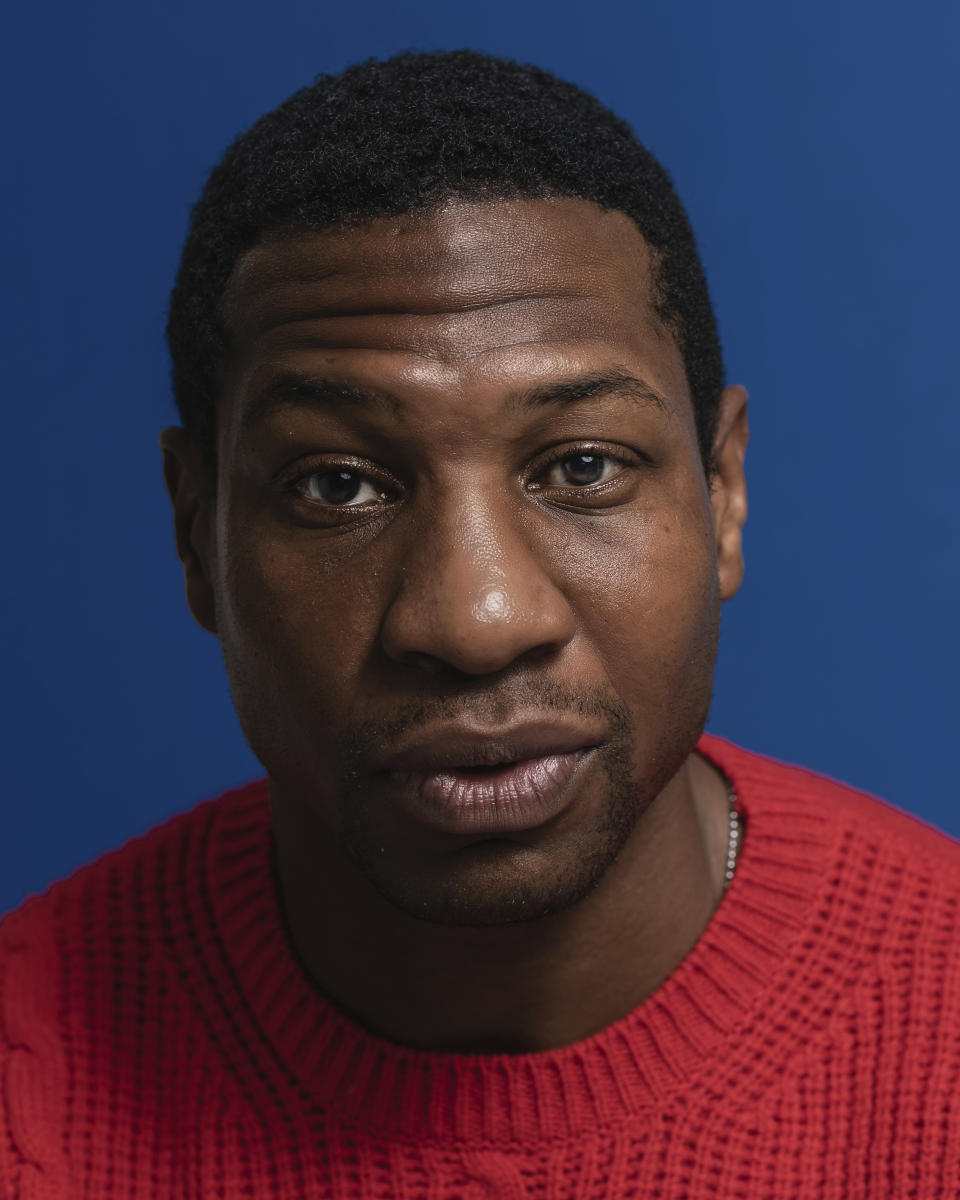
x=495, y=882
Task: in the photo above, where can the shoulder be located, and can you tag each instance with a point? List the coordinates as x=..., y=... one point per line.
x=853, y=909
x=65, y=905
x=82, y=966
x=845, y=812
x=878, y=911
x=119, y=889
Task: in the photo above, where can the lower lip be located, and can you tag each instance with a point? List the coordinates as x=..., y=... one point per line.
x=508, y=799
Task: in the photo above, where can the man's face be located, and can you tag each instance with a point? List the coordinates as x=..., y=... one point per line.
x=461, y=519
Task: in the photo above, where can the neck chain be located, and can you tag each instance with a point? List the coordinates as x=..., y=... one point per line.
x=733, y=838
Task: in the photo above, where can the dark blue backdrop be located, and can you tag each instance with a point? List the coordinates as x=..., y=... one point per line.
x=815, y=146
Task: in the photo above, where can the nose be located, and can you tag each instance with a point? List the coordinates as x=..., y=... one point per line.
x=475, y=592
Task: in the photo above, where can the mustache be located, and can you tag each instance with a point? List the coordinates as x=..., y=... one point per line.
x=372, y=738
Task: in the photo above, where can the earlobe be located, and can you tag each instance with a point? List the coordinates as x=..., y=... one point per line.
x=192, y=498
x=728, y=493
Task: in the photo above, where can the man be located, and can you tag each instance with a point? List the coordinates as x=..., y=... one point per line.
x=460, y=490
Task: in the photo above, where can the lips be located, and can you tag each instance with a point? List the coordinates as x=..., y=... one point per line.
x=472, y=783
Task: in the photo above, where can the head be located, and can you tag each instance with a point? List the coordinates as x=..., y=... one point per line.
x=457, y=468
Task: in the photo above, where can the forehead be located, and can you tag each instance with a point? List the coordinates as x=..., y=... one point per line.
x=461, y=284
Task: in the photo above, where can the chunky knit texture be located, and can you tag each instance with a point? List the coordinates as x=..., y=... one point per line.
x=158, y=1038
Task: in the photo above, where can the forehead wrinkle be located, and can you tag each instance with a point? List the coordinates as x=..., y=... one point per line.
x=266, y=291
x=441, y=317
x=466, y=336
x=453, y=260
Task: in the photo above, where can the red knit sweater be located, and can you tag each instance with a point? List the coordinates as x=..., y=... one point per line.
x=158, y=1038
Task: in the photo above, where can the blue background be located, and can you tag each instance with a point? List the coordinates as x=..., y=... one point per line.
x=815, y=146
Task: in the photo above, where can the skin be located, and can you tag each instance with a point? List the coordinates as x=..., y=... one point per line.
x=474, y=579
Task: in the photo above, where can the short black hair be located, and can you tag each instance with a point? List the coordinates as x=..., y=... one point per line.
x=401, y=136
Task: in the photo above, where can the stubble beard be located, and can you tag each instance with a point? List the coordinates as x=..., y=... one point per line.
x=510, y=881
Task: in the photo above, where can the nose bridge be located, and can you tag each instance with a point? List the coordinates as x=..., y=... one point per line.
x=475, y=592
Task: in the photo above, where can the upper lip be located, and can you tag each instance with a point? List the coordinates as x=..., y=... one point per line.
x=449, y=746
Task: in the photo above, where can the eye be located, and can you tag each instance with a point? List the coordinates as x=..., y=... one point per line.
x=581, y=470
x=339, y=487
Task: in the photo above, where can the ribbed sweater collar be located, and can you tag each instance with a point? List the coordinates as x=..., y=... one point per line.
x=681, y=1033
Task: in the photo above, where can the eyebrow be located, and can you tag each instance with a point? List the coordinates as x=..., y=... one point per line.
x=289, y=389
x=589, y=387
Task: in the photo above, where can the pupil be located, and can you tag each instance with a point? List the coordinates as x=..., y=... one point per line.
x=338, y=487
x=584, y=468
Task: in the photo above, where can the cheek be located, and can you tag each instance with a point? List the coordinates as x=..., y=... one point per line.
x=648, y=597
x=296, y=628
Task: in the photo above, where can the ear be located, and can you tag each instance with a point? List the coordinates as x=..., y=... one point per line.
x=728, y=488
x=193, y=496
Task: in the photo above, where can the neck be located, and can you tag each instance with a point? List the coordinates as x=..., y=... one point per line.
x=517, y=988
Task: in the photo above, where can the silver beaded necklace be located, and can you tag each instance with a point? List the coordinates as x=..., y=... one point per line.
x=733, y=838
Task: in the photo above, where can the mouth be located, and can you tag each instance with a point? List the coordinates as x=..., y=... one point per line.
x=468, y=784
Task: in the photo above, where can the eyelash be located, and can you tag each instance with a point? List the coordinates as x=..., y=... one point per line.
x=296, y=483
